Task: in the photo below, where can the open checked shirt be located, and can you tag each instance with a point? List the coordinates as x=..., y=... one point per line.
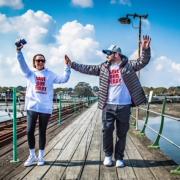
x=39, y=92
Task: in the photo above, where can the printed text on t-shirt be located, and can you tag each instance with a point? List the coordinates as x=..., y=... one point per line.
x=41, y=85
x=115, y=77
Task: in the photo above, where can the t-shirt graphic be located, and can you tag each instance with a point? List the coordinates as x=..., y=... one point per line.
x=115, y=77
x=41, y=85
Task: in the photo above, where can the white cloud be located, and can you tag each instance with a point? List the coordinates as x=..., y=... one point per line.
x=176, y=67
x=78, y=41
x=134, y=55
x=146, y=22
x=123, y=2
x=83, y=3
x=73, y=38
x=15, y=4
x=161, y=71
x=6, y=25
x=113, y=2
x=35, y=26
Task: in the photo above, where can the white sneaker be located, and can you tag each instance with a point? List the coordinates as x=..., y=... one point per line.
x=41, y=161
x=32, y=160
x=108, y=161
x=120, y=163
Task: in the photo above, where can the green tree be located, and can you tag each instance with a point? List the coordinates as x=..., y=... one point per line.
x=83, y=89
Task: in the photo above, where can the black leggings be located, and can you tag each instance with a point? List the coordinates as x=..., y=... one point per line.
x=32, y=117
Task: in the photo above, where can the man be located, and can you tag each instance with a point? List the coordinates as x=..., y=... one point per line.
x=119, y=89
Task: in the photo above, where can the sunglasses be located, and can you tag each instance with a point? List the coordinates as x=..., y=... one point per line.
x=109, y=53
x=40, y=60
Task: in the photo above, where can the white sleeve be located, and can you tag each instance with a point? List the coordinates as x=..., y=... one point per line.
x=24, y=67
x=63, y=78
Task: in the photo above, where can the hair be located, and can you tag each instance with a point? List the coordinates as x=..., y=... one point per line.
x=35, y=58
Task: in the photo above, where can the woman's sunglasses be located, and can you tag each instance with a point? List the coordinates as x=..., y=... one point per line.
x=40, y=60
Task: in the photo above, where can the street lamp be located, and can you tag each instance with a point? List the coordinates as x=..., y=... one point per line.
x=127, y=20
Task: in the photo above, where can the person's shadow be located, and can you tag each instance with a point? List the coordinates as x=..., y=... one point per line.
x=130, y=163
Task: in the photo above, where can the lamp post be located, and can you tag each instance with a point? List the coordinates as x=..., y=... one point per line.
x=127, y=20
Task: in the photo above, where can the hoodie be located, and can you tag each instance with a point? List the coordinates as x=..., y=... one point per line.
x=39, y=92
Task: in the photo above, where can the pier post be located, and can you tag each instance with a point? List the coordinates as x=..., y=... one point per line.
x=15, y=152
x=156, y=143
x=176, y=171
x=60, y=109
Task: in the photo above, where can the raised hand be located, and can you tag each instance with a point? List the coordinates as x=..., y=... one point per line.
x=67, y=60
x=19, y=48
x=146, y=42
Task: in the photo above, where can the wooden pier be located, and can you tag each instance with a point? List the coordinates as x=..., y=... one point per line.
x=76, y=153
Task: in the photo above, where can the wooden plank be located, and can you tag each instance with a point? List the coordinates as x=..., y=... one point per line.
x=137, y=162
x=106, y=173
x=127, y=171
x=61, y=140
x=75, y=167
x=10, y=169
x=58, y=167
x=62, y=161
x=92, y=164
x=154, y=161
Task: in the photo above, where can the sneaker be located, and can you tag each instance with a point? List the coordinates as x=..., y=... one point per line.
x=32, y=160
x=108, y=161
x=41, y=161
x=120, y=163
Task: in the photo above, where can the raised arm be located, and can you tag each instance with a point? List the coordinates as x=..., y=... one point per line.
x=145, y=56
x=86, y=69
x=24, y=67
x=63, y=78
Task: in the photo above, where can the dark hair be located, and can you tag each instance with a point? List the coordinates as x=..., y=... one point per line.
x=35, y=58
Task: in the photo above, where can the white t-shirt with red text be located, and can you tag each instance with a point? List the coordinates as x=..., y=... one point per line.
x=118, y=93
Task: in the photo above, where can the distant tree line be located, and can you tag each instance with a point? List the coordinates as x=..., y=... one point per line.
x=171, y=91
x=83, y=89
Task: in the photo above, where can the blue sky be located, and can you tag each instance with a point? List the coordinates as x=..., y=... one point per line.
x=82, y=28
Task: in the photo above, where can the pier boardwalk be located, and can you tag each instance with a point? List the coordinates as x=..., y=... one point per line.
x=76, y=153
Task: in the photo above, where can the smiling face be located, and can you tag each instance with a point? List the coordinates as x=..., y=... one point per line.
x=114, y=57
x=39, y=62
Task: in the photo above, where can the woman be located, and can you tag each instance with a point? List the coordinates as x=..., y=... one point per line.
x=39, y=101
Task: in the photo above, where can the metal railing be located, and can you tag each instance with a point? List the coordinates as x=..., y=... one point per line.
x=75, y=103
x=159, y=133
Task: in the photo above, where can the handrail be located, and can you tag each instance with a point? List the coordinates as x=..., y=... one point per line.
x=164, y=137
x=165, y=115
x=159, y=133
x=76, y=104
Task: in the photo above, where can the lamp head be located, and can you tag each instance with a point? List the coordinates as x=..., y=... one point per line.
x=124, y=20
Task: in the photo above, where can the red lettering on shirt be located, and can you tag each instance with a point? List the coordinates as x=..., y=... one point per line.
x=40, y=86
x=115, y=77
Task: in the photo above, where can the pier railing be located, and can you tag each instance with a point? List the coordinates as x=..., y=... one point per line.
x=158, y=133
x=63, y=107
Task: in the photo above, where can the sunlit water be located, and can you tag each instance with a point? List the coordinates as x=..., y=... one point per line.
x=171, y=131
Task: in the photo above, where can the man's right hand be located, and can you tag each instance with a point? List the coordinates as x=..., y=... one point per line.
x=67, y=60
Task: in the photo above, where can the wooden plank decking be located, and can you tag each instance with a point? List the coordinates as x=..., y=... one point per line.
x=76, y=153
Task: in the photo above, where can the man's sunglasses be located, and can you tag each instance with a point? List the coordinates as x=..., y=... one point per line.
x=40, y=60
x=109, y=53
